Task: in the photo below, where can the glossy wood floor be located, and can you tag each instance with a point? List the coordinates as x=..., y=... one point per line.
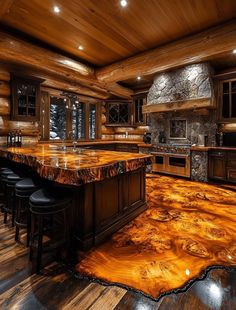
x=58, y=288
x=187, y=228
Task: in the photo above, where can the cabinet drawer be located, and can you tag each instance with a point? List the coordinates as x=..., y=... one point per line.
x=231, y=163
x=231, y=175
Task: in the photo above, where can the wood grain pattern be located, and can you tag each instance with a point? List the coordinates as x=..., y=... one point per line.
x=32, y=58
x=187, y=228
x=109, y=32
x=75, y=168
x=57, y=288
x=4, y=106
x=196, y=48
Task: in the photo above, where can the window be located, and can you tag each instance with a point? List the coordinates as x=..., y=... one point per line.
x=118, y=113
x=78, y=122
x=57, y=119
x=92, y=121
x=228, y=100
x=72, y=121
x=138, y=102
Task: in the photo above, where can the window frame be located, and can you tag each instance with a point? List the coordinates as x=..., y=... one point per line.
x=45, y=119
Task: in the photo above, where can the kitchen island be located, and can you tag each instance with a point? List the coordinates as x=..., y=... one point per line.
x=108, y=187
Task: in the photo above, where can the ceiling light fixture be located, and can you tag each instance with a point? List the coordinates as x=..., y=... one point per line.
x=56, y=9
x=138, y=77
x=123, y=3
x=234, y=51
x=80, y=47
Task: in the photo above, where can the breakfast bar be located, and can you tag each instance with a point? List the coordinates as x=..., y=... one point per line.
x=108, y=187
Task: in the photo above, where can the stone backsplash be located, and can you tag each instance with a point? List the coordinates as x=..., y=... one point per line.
x=196, y=124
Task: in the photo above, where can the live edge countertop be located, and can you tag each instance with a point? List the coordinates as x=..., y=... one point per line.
x=75, y=168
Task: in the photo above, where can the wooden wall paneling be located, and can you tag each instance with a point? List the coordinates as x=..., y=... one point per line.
x=27, y=128
x=44, y=115
x=4, y=75
x=5, y=6
x=4, y=106
x=4, y=89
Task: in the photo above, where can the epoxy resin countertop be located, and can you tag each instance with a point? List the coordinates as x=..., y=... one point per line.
x=75, y=167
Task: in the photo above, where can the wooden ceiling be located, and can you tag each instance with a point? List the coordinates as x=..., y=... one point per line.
x=107, y=31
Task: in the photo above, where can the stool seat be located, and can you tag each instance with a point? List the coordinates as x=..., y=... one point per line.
x=26, y=184
x=13, y=178
x=5, y=172
x=43, y=197
x=49, y=204
x=3, y=168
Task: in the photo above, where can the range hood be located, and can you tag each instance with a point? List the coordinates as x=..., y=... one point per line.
x=186, y=88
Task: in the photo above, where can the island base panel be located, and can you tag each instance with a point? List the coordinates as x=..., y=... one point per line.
x=101, y=208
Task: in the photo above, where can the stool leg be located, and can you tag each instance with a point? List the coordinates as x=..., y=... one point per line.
x=5, y=217
x=32, y=227
x=40, y=244
x=28, y=228
x=17, y=217
x=13, y=212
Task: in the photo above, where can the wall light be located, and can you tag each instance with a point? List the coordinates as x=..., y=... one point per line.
x=123, y=3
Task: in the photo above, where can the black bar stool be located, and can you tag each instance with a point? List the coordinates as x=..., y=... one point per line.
x=2, y=191
x=4, y=172
x=44, y=205
x=9, y=207
x=23, y=190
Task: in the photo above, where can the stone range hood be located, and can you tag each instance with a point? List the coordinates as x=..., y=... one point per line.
x=185, y=88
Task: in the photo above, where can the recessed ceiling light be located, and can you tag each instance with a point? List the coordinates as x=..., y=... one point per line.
x=234, y=51
x=138, y=77
x=123, y=3
x=80, y=47
x=56, y=9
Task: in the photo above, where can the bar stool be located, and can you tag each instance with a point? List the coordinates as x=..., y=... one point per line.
x=4, y=172
x=23, y=190
x=9, y=207
x=2, y=192
x=44, y=204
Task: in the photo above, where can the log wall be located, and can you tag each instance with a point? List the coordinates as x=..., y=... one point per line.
x=29, y=130
x=118, y=133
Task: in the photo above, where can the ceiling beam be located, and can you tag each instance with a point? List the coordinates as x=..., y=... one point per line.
x=192, y=49
x=5, y=7
x=18, y=52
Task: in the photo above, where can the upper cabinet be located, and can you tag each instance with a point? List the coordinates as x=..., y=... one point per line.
x=227, y=100
x=118, y=113
x=25, y=98
x=125, y=113
x=138, y=102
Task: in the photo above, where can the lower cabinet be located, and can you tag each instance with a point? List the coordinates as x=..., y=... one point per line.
x=217, y=167
x=222, y=165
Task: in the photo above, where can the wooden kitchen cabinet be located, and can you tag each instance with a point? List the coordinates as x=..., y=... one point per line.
x=217, y=169
x=222, y=165
x=25, y=98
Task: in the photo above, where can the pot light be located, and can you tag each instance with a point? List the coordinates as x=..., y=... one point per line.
x=56, y=9
x=80, y=47
x=234, y=51
x=138, y=77
x=123, y=3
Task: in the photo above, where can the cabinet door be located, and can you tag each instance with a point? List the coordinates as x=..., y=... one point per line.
x=231, y=174
x=217, y=166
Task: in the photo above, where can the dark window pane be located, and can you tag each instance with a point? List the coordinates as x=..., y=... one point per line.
x=225, y=107
x=114, y=113
x=124, y=113
x=78, y=122
x=57, y=119
x=233, y=87
x=225, y=87
x=138, y=111
x=92, y=121
x=233, y=105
